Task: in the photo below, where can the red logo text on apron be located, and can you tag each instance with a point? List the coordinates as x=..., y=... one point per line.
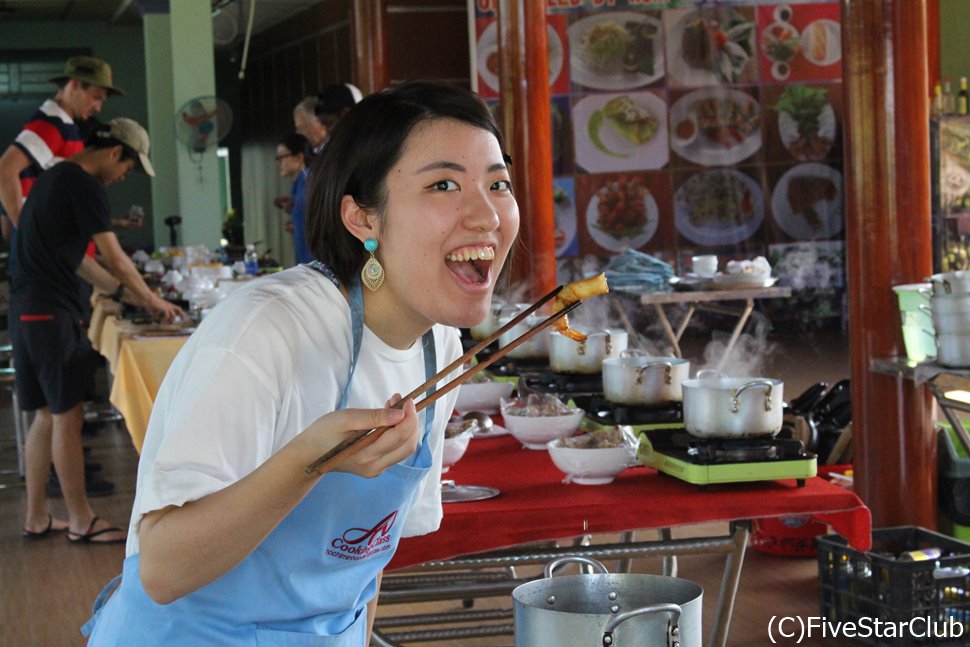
x=361, y=543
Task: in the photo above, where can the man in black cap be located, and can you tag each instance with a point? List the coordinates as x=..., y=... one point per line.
x=52, y=134
x=317, y=114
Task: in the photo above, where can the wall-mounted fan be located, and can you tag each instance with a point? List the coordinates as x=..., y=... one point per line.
x=201, y=123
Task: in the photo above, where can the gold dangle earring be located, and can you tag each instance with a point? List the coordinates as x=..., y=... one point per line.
x=373, y=273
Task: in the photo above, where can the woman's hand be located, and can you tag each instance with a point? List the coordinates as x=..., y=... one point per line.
x=392, y=446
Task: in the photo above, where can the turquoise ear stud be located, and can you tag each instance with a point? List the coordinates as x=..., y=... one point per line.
x=372, y=275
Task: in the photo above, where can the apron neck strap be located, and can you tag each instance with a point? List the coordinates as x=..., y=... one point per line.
x=355, y=297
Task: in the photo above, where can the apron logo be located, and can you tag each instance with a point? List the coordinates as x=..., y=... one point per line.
x=361, y=543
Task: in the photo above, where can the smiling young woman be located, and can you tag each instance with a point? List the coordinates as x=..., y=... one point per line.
x=230, y=542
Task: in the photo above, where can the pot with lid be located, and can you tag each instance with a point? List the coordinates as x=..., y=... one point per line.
x=716, y=406
x=585, y=357
x=608, y=610
x=638, y=379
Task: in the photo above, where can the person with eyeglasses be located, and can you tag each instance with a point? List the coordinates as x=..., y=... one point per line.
x=292, y=153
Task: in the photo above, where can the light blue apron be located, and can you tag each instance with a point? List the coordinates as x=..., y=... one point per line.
x=309, y=582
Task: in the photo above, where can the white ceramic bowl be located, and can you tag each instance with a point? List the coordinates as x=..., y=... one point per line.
x=482, y=396
x=454, y=449
x=535, y=431
x=595, y=466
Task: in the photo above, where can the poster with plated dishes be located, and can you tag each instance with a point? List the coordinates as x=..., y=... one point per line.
x=684, y=127
x=799, y=42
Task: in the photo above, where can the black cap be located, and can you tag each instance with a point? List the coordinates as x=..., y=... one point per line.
x=336, y=99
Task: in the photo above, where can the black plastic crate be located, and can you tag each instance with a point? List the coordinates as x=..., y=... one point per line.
x=862, y=587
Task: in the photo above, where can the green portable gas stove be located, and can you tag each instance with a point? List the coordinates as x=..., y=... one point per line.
x=705, y=461
x=667, y=447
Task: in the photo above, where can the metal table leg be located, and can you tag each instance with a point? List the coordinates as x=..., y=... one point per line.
x=672, y=337
x=729, y=584
x=736, y=333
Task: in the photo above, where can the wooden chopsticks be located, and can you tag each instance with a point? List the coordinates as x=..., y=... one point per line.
x=360, y=440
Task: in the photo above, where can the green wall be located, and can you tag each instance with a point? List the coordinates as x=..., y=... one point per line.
x=122, y=46
x=954, y=53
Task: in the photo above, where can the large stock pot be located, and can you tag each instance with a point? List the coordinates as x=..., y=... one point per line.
x=716, y=406
x=637, y=379
x=585, y=357
x=607, y=610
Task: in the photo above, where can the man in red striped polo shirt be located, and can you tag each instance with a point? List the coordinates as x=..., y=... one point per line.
x=52, y=134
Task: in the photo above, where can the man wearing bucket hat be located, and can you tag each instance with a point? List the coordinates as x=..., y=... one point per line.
x=52, y=134
x=66, y=208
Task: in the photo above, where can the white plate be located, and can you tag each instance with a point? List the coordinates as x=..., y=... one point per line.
x=788, y=131
x=830, y=220
x=833, y=43
x=488, y=44
x=629, y=156
x=742, y=281
x=614, y=244
x=494, y=432
x=564, y=213
x=702, y=150
x=678, y=68
x=715, y=233
x=613, y=77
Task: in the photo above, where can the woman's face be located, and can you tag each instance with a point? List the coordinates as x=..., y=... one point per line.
x=289, y=163
x=450, y=221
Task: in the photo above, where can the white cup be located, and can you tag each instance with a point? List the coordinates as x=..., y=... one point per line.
x=705, y=265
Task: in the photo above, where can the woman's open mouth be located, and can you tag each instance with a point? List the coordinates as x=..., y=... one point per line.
x=471, y=264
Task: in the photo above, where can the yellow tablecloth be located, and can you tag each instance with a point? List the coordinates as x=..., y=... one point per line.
x=102, y=310
x=139, y=367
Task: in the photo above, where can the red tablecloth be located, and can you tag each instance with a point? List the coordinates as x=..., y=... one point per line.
x=535, y=504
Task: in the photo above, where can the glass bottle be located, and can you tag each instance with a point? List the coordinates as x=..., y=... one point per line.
x=963, y=98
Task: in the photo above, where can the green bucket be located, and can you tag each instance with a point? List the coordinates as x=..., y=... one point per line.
x=918, y=331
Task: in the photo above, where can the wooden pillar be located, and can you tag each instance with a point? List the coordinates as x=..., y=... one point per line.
x=526, y=124
x=370, y=46
x=888, y=242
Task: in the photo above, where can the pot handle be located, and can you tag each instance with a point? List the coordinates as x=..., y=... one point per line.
x=569, y=559
x=673, y=630
x=922, y=307
x=736, y=395
x=634, y=352
x=708, y=374
x=649, y=365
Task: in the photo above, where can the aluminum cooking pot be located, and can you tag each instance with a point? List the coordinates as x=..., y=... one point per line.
x=495, y=313
x=946, y=283
x=953, y=350
x=732, y=407
x=607, y=610
x=568, y=356
x=536, y=346
x=637, y=379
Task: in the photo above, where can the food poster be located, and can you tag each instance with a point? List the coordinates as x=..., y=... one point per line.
x=689, y=127
x=486, y=52
x=800, y=42
x=616, y=211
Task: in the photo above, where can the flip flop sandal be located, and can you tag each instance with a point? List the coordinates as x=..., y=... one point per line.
x=87, y=537
x=40, y=534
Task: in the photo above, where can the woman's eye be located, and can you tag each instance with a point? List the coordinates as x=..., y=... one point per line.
x=502, y=185
x=445, y=185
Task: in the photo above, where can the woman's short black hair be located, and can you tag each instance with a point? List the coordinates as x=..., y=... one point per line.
x=363, y=147
x=297, y=144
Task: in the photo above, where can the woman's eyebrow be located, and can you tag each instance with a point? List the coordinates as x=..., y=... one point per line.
x=434, y=166
x=454, y=166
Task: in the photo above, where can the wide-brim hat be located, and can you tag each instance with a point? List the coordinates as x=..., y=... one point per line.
x=91, y=70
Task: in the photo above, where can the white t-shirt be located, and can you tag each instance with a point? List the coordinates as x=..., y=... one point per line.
x=266, y=363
